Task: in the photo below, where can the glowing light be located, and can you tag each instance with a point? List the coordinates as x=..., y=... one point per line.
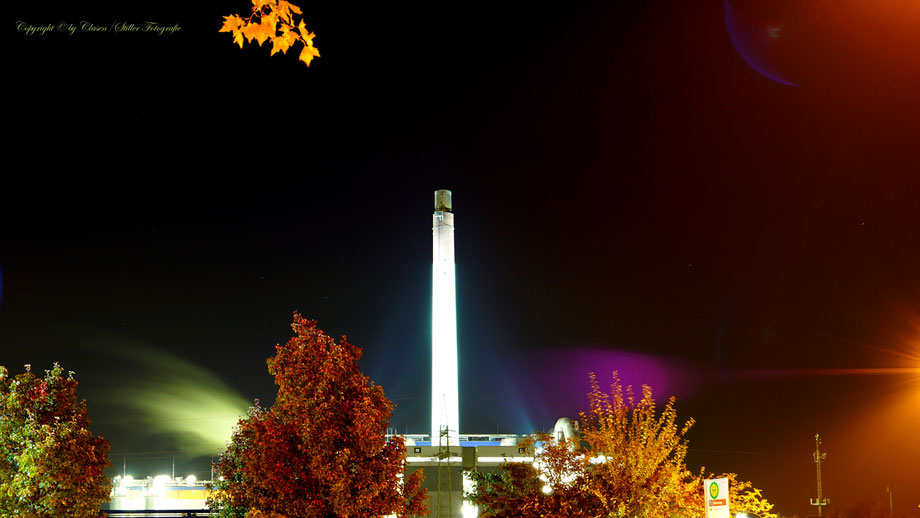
x=445, y=407
x=191, y=479
x=123, y=483
x=468, y=483
x=158, y=482
x=177, y=398
x=468, y=510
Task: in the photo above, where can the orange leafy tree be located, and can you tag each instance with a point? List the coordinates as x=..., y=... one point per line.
x=273, y=20
x=320, y=450
x=628, y=461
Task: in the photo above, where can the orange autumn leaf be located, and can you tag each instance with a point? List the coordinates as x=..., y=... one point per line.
x=283, y=43
x=231, y=23
x=273, y=20
x=308, y=53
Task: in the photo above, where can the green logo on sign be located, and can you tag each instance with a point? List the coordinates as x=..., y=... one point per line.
x=714, y=490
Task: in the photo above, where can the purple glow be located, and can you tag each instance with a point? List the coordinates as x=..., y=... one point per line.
x=565, y=384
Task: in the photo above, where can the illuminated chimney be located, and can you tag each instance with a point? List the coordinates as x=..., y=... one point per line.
x=445, y=407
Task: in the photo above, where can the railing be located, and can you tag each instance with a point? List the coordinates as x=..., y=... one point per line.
x=163, y=513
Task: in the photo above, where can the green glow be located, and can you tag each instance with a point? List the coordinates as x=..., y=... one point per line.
x=175, y=398
x=199, y=413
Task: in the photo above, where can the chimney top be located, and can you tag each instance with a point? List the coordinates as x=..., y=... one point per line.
x=442, y=200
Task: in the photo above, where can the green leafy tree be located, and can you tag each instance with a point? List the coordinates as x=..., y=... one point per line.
x=51, y=465
x=320, y=450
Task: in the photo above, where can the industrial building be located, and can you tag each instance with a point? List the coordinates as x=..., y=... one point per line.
x=446, y=454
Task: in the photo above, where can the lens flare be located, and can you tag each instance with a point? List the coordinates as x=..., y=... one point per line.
x=758, y=40
x=753, y=374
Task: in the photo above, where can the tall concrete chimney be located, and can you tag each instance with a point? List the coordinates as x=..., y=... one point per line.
x=445, y=407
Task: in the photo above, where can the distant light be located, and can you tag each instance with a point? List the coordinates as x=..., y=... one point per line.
x=158, y=482
x=547, y=490
x=469, y=510
x=191, y=479
x=469, y=485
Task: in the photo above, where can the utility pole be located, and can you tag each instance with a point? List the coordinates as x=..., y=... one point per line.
x=890, y=501
x=819, y=457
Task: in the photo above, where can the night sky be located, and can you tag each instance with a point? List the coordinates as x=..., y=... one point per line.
x=714, y=198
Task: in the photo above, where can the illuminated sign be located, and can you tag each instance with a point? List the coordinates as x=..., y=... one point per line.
x=716, y=494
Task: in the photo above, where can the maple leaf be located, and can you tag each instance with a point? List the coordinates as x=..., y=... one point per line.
x=262, y=26
x=308, y=53
x=307, y=35
x=266, y=29
x=283, y=42
x=286, y=8
x=231, y=23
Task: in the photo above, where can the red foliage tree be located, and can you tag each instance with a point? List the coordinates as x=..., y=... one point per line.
x=320, y=450
x=553, y=486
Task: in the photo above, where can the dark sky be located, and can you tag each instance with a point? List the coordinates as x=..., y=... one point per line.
x=715, y=199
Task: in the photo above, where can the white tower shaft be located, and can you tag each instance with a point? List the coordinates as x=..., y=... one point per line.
x=445, y=407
